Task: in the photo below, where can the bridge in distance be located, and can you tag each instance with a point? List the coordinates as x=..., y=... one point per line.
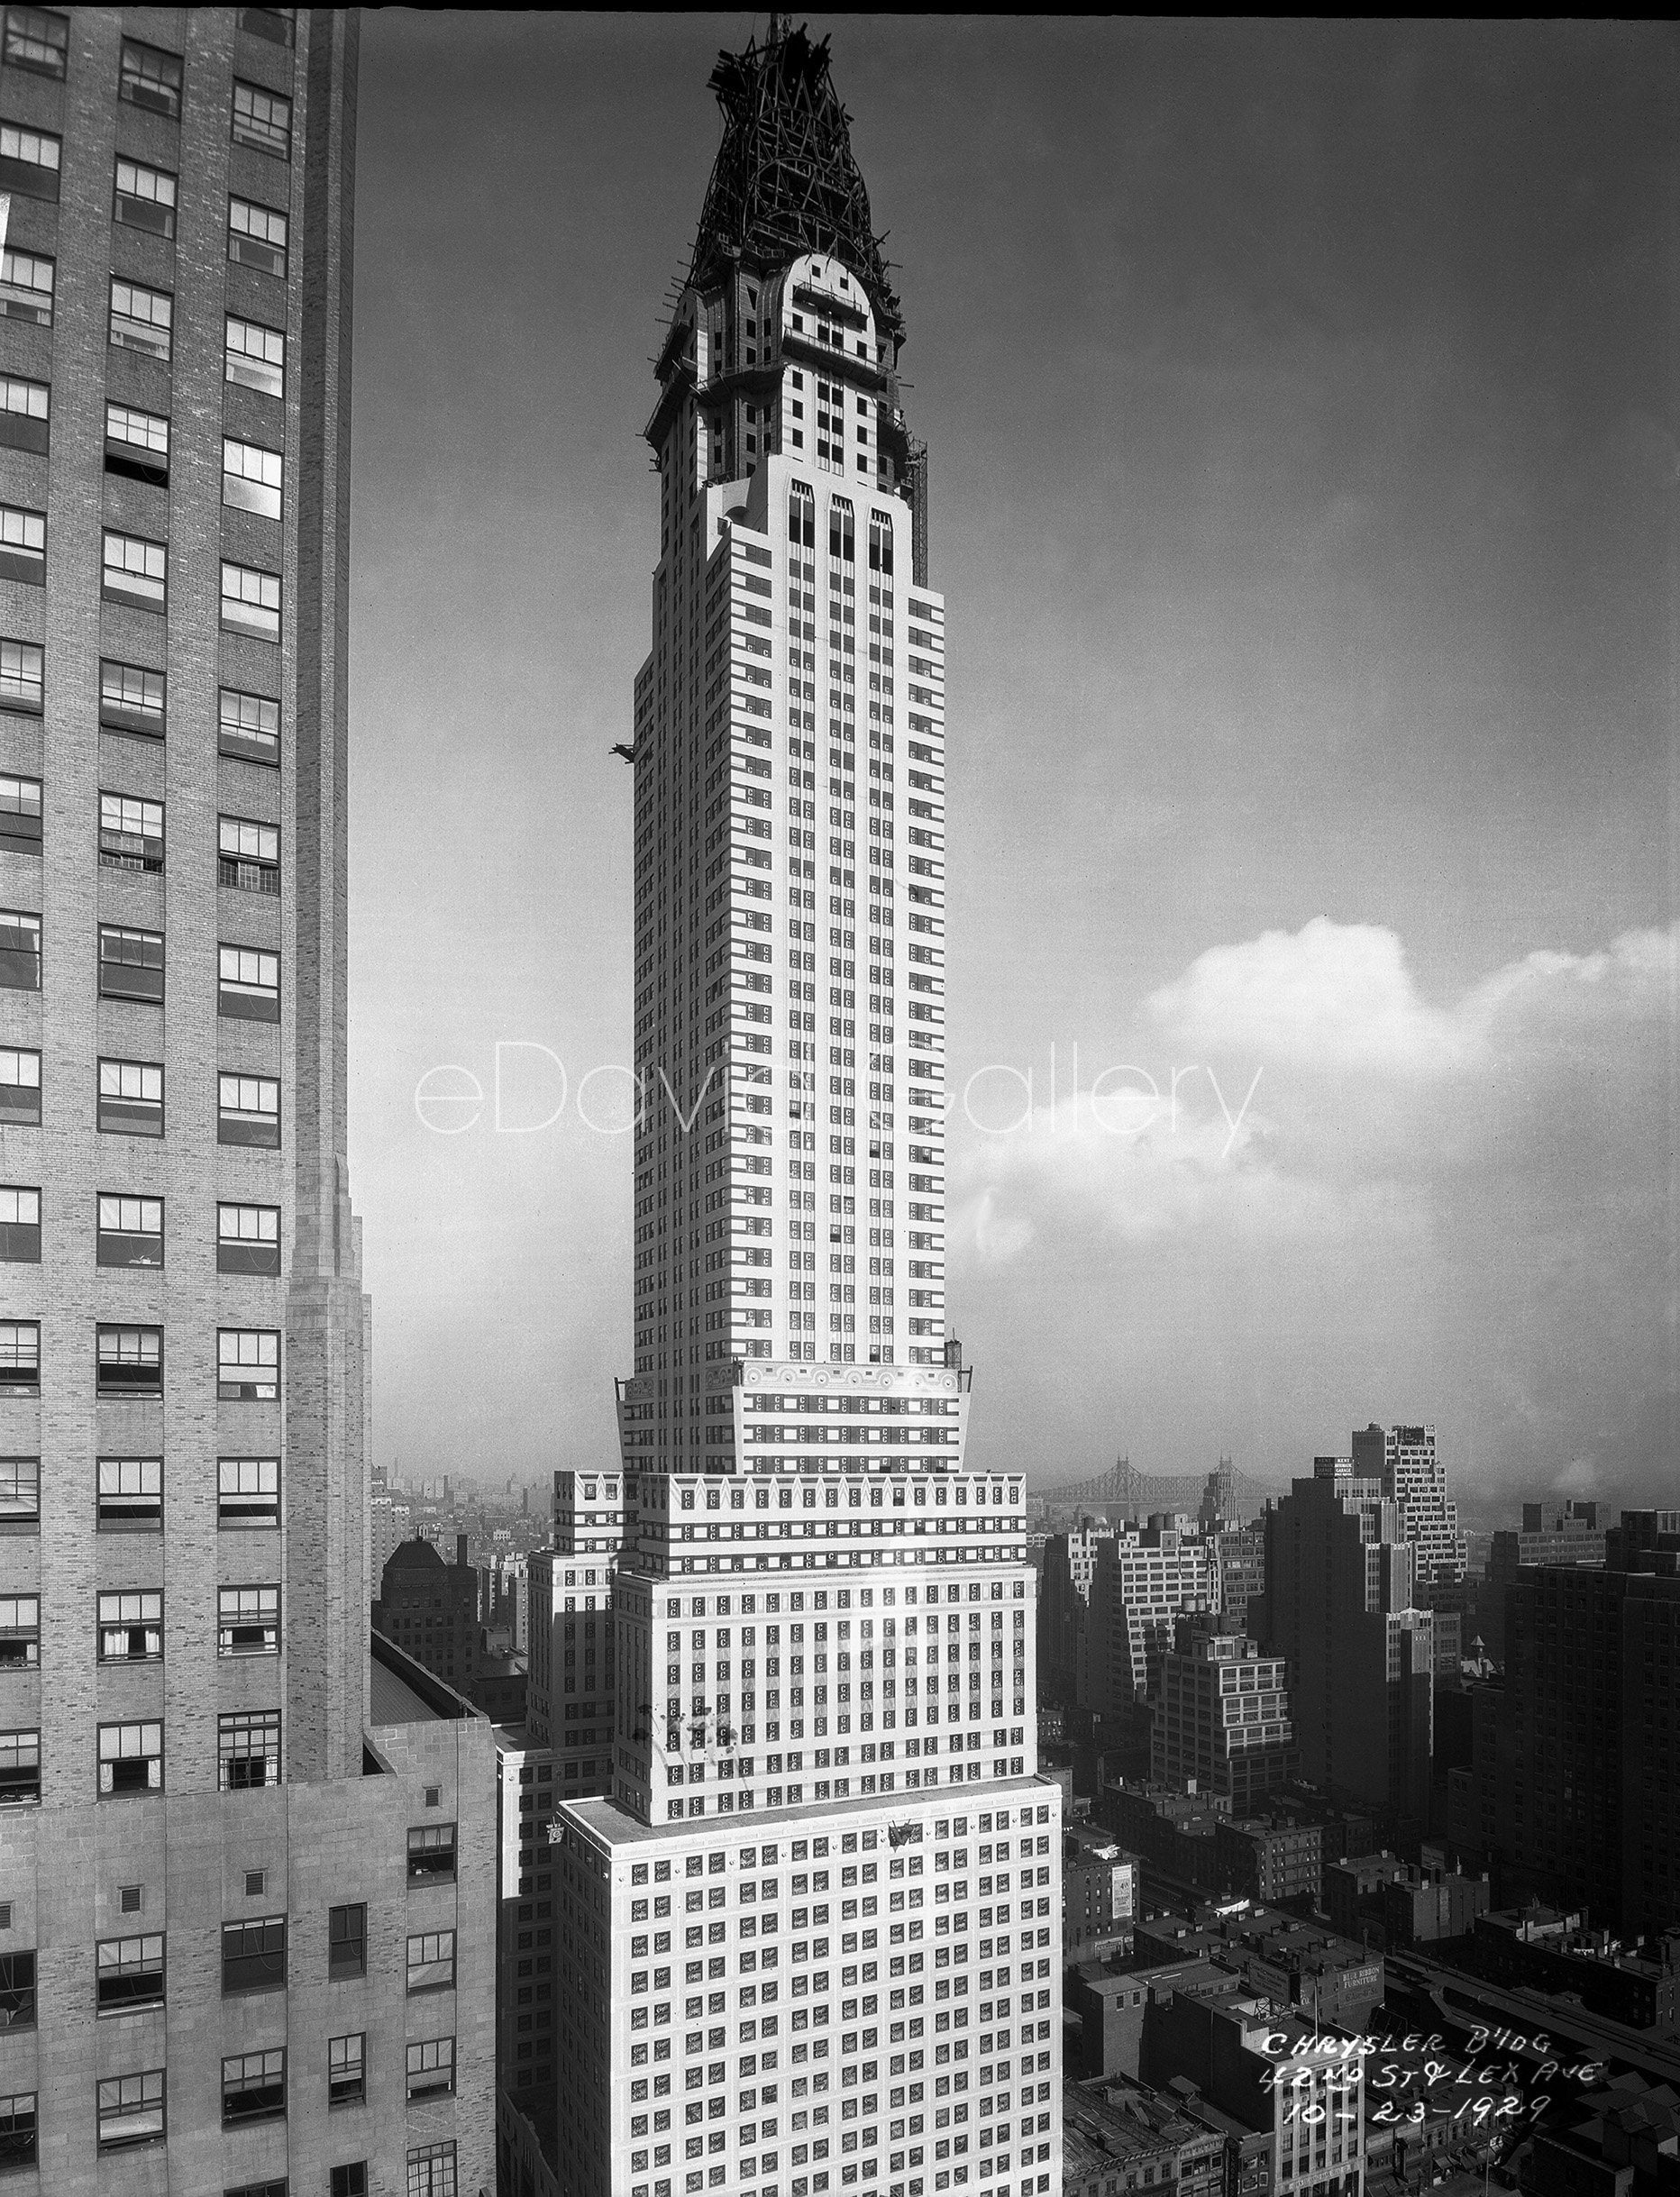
x=1139, y=1493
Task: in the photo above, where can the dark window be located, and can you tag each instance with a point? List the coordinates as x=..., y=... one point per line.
x=20, y=1632
x=29, y=161
x=347, y=1941
x=20, y=1224
x=131, y=963
x=256, y=236
x=129, y=1361
x=248, y=1490
x=23, y=669
x=17, y=2132
x=145, y=197
x=249, y=726
x=23, y=545
x=128, y=1974
x=253, y=1956
x=131, y=1231
x=137, y=447
x=20, y=1357
x=17, y=1990
x=150, y=78
x=248, y=1239
x=131, y=1098
x=348, y=2180
x=247, y=1749
x=131, y=834
x=20, y=1494
x=248, y=1110
x=263, y=120
x=247, y=984
x=132, y=699
x=130, y=1626
x=20, y=1767
x=25, y=411
x=431, y=1853
x=20, y=950
x=131, y=2110
x=257, y=2189
x=253, y=2087
x=274, y=23
x=346, y=2070
x=131, y=1758
x=37, y=40
x=130, y=1493
x=20, y=816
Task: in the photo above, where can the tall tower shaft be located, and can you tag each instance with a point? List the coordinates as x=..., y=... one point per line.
x=823, y=1637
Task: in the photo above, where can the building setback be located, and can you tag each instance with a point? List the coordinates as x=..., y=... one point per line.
x=239, y=1861
x=811, y=1935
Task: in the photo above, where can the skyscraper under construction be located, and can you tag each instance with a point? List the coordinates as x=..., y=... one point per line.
x=808, y=1939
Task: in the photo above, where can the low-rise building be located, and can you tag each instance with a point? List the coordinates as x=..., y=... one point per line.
x=1268, y=1859
x=1293, y=2082
x=1119, y=2136
x=1099, y=1894
x=1619, y=2141
x=1107, y=1999
x=1553, y=1952
x=1295, y=1963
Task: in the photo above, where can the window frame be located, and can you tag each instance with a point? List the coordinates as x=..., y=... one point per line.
x=234, y=1723
x=23, y=294
x=254, y=1953
x=342, y=2086
x=109, y=1105
x=114, y=1750
x=23, y=556
x=168, y=101
x=145, y=1382
x=18, y=1987
x=27, y=178
x=235, y=1513
x=16, y=1337
x=118, y=1245
x=261, y=2076
x=168, y=207
x=20, y=1632
x=20, y=1236
x=19, y=924
x=251, y=741
x=248, y=1621
x=338, y=1966
x=120, y=714
x=424, y=1964
x=136, y=1509
x=146, y=988
x=18, y=692
x=433, y=2056
x=21, y=426
x=248, y=855
x=123, y=2097
x=246, y=610
x=43, y=21
x=261, y=1388
x=260, y=366
x=433, y=1838
x=19, y=1514
x=142, y=585
x=261, y=251
x=240, y=1253
x=15, y=1061
x=110, y=1619
x=149, y=335
x=255, y=1118
x=271, y=137
x=137, y=456
x=136, y=1999
x=130, y=833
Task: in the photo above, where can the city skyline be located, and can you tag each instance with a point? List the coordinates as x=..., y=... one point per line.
x=1316, y=728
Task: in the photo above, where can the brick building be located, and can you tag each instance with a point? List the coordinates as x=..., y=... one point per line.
x=224, y=1828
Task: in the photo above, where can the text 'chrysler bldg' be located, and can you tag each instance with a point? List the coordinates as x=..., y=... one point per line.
x=808, y=1939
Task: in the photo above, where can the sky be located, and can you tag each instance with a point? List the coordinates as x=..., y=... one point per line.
x=1300, y=402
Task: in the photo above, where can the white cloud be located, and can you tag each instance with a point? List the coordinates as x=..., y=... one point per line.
x=1331, y=995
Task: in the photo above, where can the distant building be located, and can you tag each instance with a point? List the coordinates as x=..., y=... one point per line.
x=1575, y=1784
x=1143, y=1579
x=1221, y=1715
x=430, y=1608
x=1543, y=1950
x=1108, y=1999
x=1620, y=2141
x=1269, y=1858
x=1573, y=1534
x=1070, y=1562
x=1403, y=1459
x=1278, y=2076
x=1295, y=1963
x=1099, y=1892
x=1238, y=1562
x=1119, y=2134
x=1338, y=1608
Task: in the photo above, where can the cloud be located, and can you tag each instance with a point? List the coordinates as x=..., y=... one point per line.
x=1331, y=995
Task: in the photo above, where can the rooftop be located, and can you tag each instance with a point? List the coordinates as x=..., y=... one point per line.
x=401, y=1690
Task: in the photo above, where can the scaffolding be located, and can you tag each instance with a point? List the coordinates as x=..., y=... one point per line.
x=784, y=181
